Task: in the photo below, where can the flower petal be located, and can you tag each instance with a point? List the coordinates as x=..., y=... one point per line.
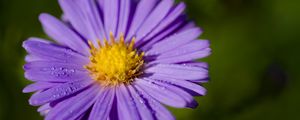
x=180, y=83
x=162, y=94
x=158, y=111
x=191, y=47
x=44, y=109
x=145, y=46
x=168, y=20
x=42, y=50
x=110, y=13
x=127, y=110
x=93, y=21
x=58, y=92
x=38, y=86
x=32, y=58
x=143, y=109
x=103, y=105
x=189, y=25
x=154, y=18
x=124, y=14
x=55, y=72
x=189, y=99
x=196, y=64
x=193, y=50
x=184, y=58
x=75, y=106
x=143, y=9
x=175, y=41
x=76, y=17
x=178, y=71
x=62, y=34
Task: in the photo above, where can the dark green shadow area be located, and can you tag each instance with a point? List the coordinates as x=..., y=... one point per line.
x=254, y=67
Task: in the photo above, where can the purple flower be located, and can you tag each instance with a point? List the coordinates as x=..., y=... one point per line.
x=116, y=59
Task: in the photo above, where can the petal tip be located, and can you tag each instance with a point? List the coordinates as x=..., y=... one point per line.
x=25, y=90
x=43, y=16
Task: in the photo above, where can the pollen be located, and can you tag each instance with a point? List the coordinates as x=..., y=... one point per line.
x=115, y=61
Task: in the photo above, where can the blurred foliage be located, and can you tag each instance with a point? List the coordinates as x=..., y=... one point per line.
x=254, y=66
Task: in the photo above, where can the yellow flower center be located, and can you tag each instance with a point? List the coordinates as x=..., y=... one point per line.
x=115, y=62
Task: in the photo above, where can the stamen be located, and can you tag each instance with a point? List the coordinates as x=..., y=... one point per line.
x=131, y=45
x=112, y=38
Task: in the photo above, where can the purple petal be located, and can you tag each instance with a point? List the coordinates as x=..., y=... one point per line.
x=62, y=34
x=127, y=110
x=58, y=92
x=196, y=64
x=54, y=72
x=39, y=86
x=93, y=20
x=125, y=7
x=154, y=18
x=75, y=106
x=189, y=99
x=162, y=94
x=158, y=111
x=181, y=83
x=178, y=71
x=100, y=4
x=162, y=35
x=40, y=49
x=171, y=17
x=103, y=105
x=111, y=11
x=81, y=105
x=32, y=58
x=193, y=46
x=193, y=50
x=175, y=41
x=143, y=9
x=141, y=104
x=183, y=58
x=44, y=109
x=76, y=17
x=188, y=26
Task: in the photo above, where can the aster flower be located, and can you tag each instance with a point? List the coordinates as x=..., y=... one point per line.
x=116, y=59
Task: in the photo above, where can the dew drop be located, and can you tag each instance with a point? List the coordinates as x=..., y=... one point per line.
x=60, y=68
x=72, y=70
x=142, y=101
x=52, y=68
x=71, y=111
x=54, y=96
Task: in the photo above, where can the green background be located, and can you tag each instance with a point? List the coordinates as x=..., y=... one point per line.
x=254, y=67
